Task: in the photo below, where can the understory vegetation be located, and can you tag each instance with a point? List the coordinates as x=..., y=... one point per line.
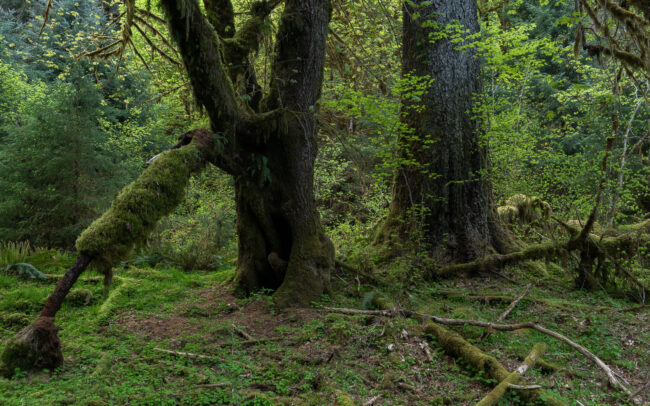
x=169, y=148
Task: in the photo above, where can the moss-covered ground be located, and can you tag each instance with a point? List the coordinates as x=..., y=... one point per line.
x=308, y=356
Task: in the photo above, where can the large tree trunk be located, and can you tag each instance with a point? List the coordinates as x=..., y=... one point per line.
x=269, y=143
x=443, y=196
x=282, y=244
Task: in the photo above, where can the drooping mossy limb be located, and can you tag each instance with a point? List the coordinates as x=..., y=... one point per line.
x=493, y=398
x=109, y=239
x=139, y=206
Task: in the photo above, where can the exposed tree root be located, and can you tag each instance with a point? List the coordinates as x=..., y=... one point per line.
x=36, y=346
x=493, y=398
x=611, y=376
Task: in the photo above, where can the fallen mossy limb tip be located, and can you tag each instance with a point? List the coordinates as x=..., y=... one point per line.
x=457, y=346
x=108, y=240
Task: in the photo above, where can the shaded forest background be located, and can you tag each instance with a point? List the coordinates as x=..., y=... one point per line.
x=75, y=130
x=563, y=124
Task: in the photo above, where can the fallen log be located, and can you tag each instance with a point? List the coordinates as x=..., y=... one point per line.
x=611, y=376
x=457, y=346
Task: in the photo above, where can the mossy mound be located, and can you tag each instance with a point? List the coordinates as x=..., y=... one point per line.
x=523, y=209
x=135, y=211
x=14, y=319
x=35, y=347
x=79, y=297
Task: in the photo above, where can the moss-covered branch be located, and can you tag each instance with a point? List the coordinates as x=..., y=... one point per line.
x=202, y=53
x=221, y=15
x=613, y=380
x=457, y=346
x=624, y=242
x=139, y=206
x=493, y=398
x=109, y=239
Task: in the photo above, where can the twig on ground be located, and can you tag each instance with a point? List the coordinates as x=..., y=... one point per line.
x=372, y=400
x=632, y=309
x=243, y=333
x=508, y=310
x=212, y=385
x=191, y=355
x=641, y=389
x=513, y=304
x=524, y=387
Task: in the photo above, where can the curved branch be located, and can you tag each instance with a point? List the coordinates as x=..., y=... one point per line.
x=202, y=53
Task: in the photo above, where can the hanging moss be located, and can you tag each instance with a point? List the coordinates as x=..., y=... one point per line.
x=523, y=209
x=135, y=211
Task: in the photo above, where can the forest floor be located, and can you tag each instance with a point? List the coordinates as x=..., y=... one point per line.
x=224, y=350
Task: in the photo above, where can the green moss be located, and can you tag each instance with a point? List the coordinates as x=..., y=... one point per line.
x=341, y=328
x=135, y=211
x=108, y=307
x=535, y=268
x=343, y=399
x=467, y=313
x=13, y=357
x=14, y=319
x=79, y=297
x=34, y=347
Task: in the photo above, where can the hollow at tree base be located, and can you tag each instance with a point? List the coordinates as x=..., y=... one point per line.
x=37, y=346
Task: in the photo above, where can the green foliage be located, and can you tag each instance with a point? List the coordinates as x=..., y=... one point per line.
x=13, y=252
x=54, y=168
x=200, y=234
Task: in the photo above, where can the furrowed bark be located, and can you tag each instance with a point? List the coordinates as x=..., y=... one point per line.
x=440, y=197
x=277, y=220
x=278, y=215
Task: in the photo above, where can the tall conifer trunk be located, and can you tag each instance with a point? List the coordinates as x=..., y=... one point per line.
x=445, y=196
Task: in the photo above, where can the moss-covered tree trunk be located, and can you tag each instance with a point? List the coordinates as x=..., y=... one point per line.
x=282, y=244
x=443, y=195
x=269, y=141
